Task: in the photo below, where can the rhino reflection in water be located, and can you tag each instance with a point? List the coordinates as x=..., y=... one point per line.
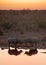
x=31, y=52
x=14, y=51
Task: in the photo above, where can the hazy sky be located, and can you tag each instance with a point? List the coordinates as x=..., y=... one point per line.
x=22, y=4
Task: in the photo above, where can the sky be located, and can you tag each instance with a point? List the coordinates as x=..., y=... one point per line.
x=23, y=4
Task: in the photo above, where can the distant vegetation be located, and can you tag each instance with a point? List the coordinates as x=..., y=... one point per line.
x=23, y=20
x=6, y=25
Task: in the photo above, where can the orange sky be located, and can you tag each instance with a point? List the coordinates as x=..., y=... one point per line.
x=23, y=4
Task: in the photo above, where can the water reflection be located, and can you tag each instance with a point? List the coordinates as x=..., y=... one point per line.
x=14, y=51
x=28, y=52
x=23, y=59
x=31, y=52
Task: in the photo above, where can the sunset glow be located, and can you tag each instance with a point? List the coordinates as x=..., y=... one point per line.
x=23, y=4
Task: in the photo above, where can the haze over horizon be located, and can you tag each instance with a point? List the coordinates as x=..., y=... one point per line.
x=22, y=4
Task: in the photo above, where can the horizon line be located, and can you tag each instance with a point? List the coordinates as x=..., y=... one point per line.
x=22, y=9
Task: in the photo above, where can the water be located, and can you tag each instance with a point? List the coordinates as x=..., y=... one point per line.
x=22, y=59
